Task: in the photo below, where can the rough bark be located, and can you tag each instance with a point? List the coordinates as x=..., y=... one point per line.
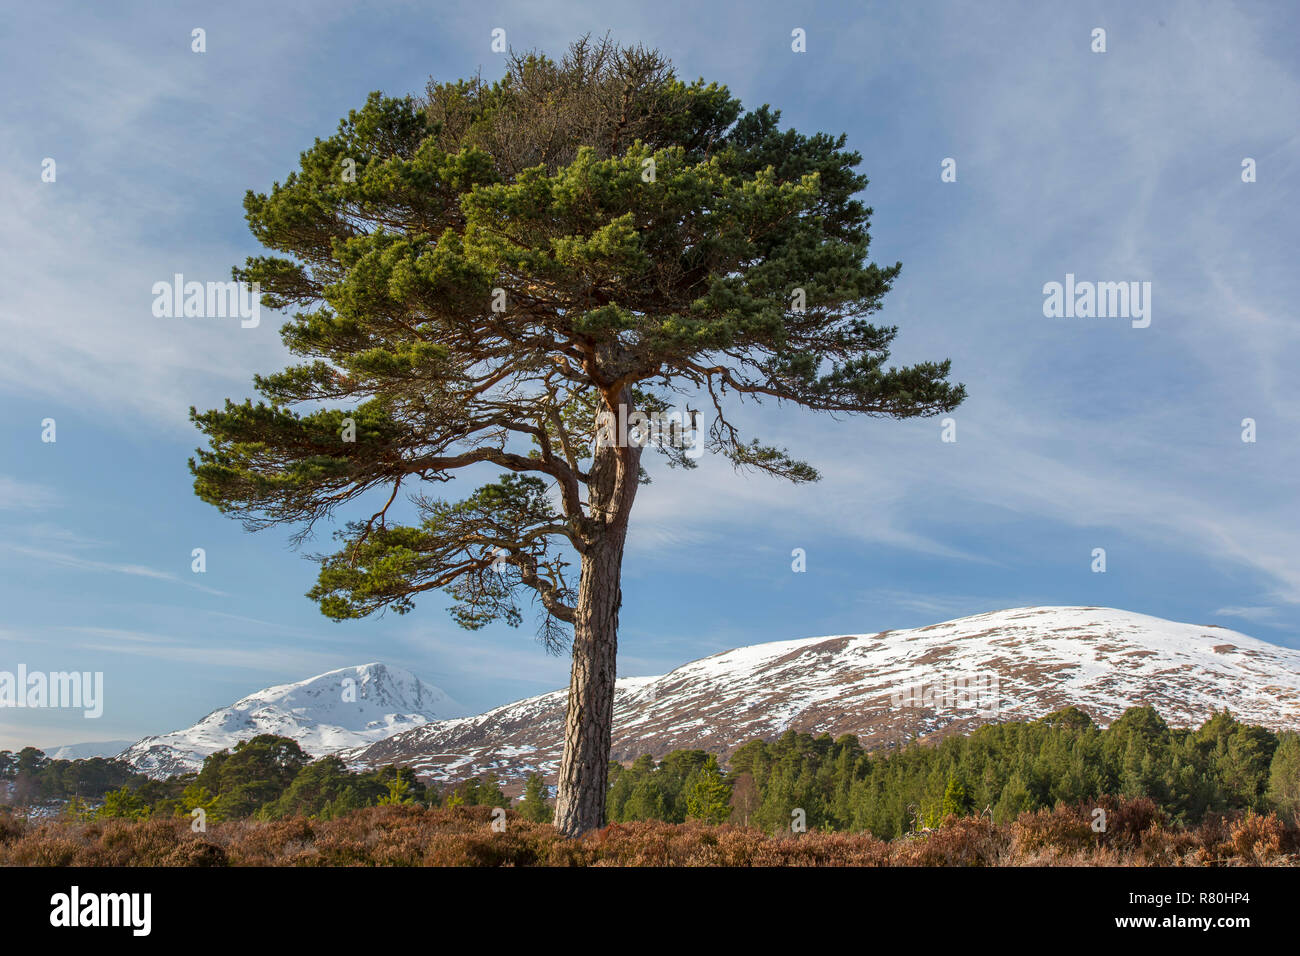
x=589, y=721
x=588, y=725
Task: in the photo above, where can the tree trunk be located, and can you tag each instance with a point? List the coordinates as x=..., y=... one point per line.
x=589, y=720
x=588, y=724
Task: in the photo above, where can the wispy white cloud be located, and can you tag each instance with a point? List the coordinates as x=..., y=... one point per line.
x=464, y=654
x=1256, y=614
x=265, y=660
x=18, y=495
x=262, y=657
x=79, y=563
x=933, y=607
x=86, y=564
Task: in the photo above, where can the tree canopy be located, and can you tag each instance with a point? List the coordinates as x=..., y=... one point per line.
x=611, y=282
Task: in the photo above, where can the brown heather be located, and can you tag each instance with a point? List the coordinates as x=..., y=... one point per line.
x=1136, y=835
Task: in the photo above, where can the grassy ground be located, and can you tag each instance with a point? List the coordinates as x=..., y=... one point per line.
x=464, y=836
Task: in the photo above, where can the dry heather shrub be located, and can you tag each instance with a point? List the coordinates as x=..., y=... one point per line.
x=197, y=853
x=394, y=835
x=400, y=835
x=11, y=826
x=1213, y=836
x=652, y=843
x=646, y=843
x=1221, y=841
x=453, y=818
x=158, y=842
x=1255, y=839
x=1290, y=833
x=144, y=843
x=1060, y=831
x=739, y=846
x=42, y=846
x=1126, y=819
x=969, y=841
x=519, y=845
x=397, y=836
x=832, y=849
x=1137, y=834
x=266, y=843
x=1162, y=847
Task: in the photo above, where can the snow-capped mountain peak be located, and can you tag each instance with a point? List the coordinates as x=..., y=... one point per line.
x=348, y=707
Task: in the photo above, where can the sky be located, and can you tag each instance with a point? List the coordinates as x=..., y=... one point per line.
x=1078, y=433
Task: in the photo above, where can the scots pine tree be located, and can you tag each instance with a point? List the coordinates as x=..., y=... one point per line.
x=533, y=805
x=123, y=804
x=399, y=792
x=956, y=799
x=708, y=795
x=1284, y=777
x=487, y=277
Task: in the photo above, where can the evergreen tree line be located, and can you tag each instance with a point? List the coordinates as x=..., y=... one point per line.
x=266, y=777
x=999, y=770
x=29, y=777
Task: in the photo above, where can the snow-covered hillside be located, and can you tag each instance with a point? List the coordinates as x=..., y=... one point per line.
x=889, y=687
x=100, y=748
x=348, y=707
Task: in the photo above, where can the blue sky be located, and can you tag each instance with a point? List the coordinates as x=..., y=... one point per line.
x=1078, y=433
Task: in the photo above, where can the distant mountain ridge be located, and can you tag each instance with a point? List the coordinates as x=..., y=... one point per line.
x=887, y=688
x=344, y=708
x=98, y=748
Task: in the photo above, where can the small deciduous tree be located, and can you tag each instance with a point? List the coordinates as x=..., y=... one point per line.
x=509, y=268
x=745, y=799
